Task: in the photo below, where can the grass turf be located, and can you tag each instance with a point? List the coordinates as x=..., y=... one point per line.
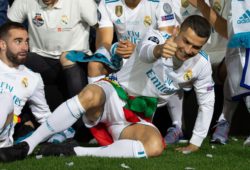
x=231, y=156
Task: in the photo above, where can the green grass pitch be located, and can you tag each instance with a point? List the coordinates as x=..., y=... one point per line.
x=231, y=156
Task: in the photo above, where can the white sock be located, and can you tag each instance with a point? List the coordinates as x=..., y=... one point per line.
x=174, y=105
x=7, y=107
x=94, y=79
x=121, y=148
x=62, y=118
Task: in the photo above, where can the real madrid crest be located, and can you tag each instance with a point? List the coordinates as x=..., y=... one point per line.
x=24, y=82
x=147, y=21
x=184, y=3
x=64, y=19
x=118, y=10
x=217, y=6
x=188, y=75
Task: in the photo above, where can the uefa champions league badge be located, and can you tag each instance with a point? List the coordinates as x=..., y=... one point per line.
x=24, y=82
x=188, y=75
x=64, y=19
x=167, y=8
x=154, y=39
x=38, y=20
x=118, y=10
x=184, y=3
x=147, y=21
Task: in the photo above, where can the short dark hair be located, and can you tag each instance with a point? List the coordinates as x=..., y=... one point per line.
x=199, y=24
x=5, y=28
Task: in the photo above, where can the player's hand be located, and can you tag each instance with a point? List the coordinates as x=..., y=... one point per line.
x=188, y=149
x=168, y=49
x=125, y=48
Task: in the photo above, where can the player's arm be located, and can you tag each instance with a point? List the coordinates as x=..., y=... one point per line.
x=204, y=90
x=168, y=29
x=104, y=37
x=88, y=11
x=153, y=46
x=38, y=103
x=218, y=22
x=18, y=11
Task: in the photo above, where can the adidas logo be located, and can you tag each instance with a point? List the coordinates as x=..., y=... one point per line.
x=118, y=21
x=245, y=18
x=185, y=13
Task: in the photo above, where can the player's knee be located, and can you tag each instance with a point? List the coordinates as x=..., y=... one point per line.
x=92, y=96
x=154, y=147
x=64, y=61
x=95, y=69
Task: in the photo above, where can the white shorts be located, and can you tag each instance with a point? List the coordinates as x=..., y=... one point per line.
x=113, y=115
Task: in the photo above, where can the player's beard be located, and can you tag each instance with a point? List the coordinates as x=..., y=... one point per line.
x=15, y=59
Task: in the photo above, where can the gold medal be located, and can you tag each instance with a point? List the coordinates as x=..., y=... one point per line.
x=184, y=3
x=217, y=6
x=188, y=75
x=118, y=10
x=147, y=21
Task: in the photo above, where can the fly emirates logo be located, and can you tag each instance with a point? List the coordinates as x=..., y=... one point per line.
x=167, y=87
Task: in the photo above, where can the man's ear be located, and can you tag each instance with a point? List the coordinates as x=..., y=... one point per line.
x=176, y=31
x=2, y=44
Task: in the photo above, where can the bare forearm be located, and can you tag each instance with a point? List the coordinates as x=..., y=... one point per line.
x=218, y=22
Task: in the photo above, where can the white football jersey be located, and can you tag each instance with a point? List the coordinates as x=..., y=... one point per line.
x=132, y=24
x=64, y=27
x=24, y=86
x=143, y=76
x=235, y=57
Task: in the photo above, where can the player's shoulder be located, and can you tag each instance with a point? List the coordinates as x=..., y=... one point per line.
x=153, y=1
x=29, y=73
x=111, y=1
x=204, y=56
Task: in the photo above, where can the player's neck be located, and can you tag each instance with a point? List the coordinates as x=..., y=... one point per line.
x=50, y=6
x=132, y=3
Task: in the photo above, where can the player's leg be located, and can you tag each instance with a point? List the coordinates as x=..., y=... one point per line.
x=129, y=139
x=175, y=109
x=149, y=136
x=96, y=71
x=74, y=75
x=90, y=98
x=222, y=127
x=136, y=141
x=247, y=101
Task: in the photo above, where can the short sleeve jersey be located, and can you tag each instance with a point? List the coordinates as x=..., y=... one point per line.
x=132, y=24
x=63, y=27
